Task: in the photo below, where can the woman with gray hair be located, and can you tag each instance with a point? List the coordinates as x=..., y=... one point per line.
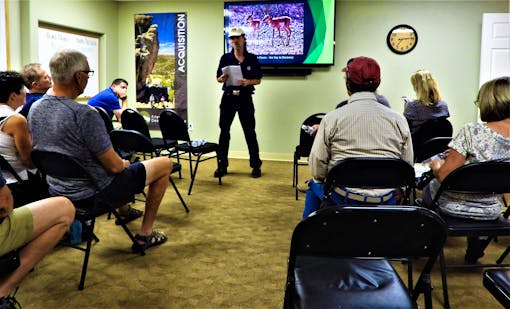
x=476, y=142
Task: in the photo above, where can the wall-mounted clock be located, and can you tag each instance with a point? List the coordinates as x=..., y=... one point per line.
x=402, y=39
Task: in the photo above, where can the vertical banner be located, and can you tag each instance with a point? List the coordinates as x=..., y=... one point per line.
x=161, y=68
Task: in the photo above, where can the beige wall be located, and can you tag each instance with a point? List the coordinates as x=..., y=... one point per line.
x=448, y=45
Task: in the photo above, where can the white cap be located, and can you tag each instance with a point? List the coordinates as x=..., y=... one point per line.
x=235, y=32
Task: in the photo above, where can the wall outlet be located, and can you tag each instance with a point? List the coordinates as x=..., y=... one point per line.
x=190, y=126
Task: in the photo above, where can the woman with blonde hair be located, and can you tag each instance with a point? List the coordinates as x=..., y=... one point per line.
x=428, y=104
x=476, y=142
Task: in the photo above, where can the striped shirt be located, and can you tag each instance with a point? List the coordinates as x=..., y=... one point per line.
x=362, y=128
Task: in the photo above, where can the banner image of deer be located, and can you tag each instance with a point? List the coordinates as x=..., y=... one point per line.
x=161, y=64
x=271, y=29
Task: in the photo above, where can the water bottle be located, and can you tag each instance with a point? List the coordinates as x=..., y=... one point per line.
x=307, y=129
x=427, y=161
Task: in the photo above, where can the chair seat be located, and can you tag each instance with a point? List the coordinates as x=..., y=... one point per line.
x=497, y=282
x=325, y=282
x=467, y=227
x=205, y=148
x=158, y=142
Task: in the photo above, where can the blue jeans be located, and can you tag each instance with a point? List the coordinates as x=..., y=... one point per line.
x=315, y=195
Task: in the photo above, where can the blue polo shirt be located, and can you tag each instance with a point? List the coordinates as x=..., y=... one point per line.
x=106, y=99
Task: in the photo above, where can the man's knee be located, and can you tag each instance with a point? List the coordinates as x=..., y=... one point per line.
x=157, y=168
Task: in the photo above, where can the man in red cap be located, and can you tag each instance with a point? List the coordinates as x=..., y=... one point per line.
x=362, y=128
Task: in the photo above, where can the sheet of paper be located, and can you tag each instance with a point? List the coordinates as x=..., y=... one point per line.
x=234, y=74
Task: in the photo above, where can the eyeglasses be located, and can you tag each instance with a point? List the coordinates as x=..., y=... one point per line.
x=90, y=73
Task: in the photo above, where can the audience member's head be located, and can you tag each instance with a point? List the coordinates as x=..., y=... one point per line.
x=12, y=87
x=425, y=86
x=362, y=74
x=494, y=99
x=119, y=86
x=70, y=71
x=37, y=79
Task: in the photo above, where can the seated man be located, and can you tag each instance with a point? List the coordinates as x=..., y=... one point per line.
x=37, y=82
x=60, y=124
x=37, y=226
x=361, y=128
x=109, y=98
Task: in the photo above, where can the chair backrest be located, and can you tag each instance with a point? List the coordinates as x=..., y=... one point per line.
x=490, y=177
x=431, y=147
x=5, y=166
x=305, y=140
x=130, y=141
x=437, y=127
x=106, y=118
x=60, y=166
x=173, y=127
x=370, y=231
x=370, y=173
x=133, y=120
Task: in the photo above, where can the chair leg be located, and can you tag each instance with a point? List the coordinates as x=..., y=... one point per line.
x=178, y=194
x=125, y=228
x=442, y=265
x=297, y=179
x=503, y=256
x=90, y=237
x=193, y=175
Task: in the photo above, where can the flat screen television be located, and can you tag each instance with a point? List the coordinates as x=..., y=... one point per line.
x=298, y=33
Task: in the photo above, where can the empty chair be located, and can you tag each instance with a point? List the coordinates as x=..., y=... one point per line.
x=58, y=165
x=339, y=257
x=497, y=282
x=133, y=120
x=305, y=145
x=173, y=128
x=490, y=177
x=128, y=142
x=106, y=118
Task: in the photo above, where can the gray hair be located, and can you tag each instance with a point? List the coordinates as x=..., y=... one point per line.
x=65, y=63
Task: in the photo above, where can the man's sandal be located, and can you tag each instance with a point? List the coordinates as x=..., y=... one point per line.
x=145, y=242
x=129, y=216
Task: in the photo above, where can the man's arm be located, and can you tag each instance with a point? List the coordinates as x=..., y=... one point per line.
x=112, y=162
x=6, y=201
x=118, y=113
x=319, y=155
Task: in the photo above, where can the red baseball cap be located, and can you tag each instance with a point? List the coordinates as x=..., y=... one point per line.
x=363, y=71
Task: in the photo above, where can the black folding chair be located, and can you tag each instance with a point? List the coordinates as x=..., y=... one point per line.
x=497, y=282
x=432, y=147
x=64, y=167
x=174, y=128
x=106, y=118
x=132, y=120
x=371, y=173
x=129, y=142
x=491, y=177
x=438, y=127
x=303, y=149
x=339, y=257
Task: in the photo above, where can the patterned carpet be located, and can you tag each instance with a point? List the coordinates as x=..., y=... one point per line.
x=230, y=251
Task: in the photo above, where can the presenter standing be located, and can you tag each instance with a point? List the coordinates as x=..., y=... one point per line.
x=237, y=97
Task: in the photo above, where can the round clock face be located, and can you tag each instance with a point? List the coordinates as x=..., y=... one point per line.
x=402, y=39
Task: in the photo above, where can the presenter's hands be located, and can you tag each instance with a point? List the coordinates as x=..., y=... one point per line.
x=244, y=82
x=223, y=78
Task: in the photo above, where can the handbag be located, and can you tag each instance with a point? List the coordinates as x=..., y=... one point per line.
x=424, y=180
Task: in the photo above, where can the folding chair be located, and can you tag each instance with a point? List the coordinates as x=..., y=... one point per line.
x=438, y=127
x=132, y=120
x=490, y=177
x=173, y=128
x=303, y=149
x=106, y=118
x=431, y=147
x=339, y=257
x=61, y=166
x=128, y=142
x=497, y=282
x=371, y=173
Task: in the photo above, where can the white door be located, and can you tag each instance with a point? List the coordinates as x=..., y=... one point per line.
x=495, y=53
